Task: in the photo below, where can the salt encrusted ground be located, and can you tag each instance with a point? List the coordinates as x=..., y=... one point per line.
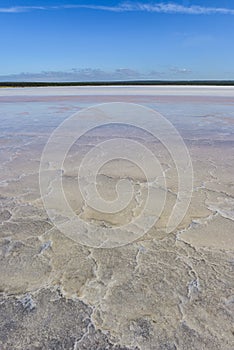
x=165, y=291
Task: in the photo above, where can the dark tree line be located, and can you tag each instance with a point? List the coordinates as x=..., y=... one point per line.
x=114, y=83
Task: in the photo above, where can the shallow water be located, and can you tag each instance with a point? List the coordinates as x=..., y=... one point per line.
x=158, y=291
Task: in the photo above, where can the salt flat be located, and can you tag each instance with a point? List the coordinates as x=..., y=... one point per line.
x=162, y=291
x=119, y=90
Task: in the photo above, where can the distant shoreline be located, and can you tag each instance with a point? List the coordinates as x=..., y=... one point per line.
x=23, y=84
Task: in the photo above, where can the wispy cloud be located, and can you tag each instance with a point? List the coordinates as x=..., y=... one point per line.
x=170, y=8
x=177, y=70
x=85, y=74
x=96, y=74
x=17, y=9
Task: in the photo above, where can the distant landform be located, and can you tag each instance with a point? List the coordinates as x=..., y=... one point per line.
x=112, y=83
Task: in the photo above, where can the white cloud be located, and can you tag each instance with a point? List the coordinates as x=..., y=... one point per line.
x=92, y=74
x=176, y=8
x=17, y=9
x=85, y=74
x=177, y=70
x=170, y=8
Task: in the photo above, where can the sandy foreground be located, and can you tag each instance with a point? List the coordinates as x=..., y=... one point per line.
x=160, y=291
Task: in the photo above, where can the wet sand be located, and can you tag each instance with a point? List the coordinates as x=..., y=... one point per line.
x=163, y=291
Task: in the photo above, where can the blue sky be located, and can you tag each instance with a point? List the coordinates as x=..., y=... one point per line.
x=112, y=40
